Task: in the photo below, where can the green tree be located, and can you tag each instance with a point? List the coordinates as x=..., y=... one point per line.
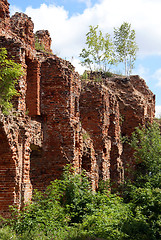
x=125, y=46
x=99, y=51
x=69, y=210
x=146, y=142
x=9, y=74
x=144, y=194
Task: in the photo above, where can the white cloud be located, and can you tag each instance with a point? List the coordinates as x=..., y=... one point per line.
x=76, y=63
x=142, y=71
x=68, y=33
x=158, y=111
x=14, y=9
x=144, y=15
x=157, y=76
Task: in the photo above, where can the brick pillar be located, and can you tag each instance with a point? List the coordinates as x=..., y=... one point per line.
x=60, y=88
x=94, y=114
x=7, y=175
x=4, y=16
x=33, y=87
x=116, y=165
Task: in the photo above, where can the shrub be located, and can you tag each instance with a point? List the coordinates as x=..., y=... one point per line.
x=146, y=142
x=38, y=45
x=9, y=74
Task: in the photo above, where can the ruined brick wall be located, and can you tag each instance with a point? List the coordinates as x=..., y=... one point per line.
x=23, y=27
x=60, y=90
x=51, y=143
x=109, y=111
x=14, y=161
x=136, y=106
x=4, y=16
x=94, y=115
x=44, y=40
x=99, y=113
x=59, y=120
x=17, y=129
x=88, y=160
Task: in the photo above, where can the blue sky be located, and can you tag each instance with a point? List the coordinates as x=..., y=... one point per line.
x=72, y=6
x=68, y=22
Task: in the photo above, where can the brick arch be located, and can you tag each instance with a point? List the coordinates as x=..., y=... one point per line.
x=7, y=175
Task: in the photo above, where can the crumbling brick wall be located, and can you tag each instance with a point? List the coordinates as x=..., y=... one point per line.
x=60, y=89
x=136, y=106
x=44, y=40
x=59, y=120
x=23, y=27
x=4, y=16
x=14, y=161
x=99, y=113
x=94, y=114
x=110, y=109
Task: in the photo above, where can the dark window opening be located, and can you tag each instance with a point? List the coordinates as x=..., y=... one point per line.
x=86, y=162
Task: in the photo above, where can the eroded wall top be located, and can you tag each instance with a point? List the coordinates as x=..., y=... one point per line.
x=23, y=26
x=43, y=39
x=4, y=15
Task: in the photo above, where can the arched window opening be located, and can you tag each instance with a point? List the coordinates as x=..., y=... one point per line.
x=36, y=167
x=86, y=161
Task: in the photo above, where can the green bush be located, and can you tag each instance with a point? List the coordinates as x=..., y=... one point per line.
x=38, y=45
x=10, y=72
x=70, y=210
x=108, y=218
x=146, y=142
x=67, y=209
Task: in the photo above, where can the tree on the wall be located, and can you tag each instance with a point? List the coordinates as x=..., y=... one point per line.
x=125, y=46
x=99, y=51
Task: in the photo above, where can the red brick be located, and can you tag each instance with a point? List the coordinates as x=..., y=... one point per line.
x=58, y=120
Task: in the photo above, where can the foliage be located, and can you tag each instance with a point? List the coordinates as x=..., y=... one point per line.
x=85, y=136
x=144, y=194
x=51, y=213
x=99, y=50
x=96, y=76
x=108, y=218
x=148, y=202
x=70, y=210
x=102, y=51
x=147, y=144
x=6, y=233
x=84, y=76
x=125, y=45
x=67, y=209
x=44, y=214
x=9, y=74
x=77, y=196
x=38, y=45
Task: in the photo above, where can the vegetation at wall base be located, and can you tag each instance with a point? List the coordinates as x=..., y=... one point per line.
x=70, y=210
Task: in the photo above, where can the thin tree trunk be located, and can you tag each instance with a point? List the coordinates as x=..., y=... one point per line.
x=125, y=65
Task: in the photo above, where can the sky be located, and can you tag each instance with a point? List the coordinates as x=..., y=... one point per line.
x=68, y=22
